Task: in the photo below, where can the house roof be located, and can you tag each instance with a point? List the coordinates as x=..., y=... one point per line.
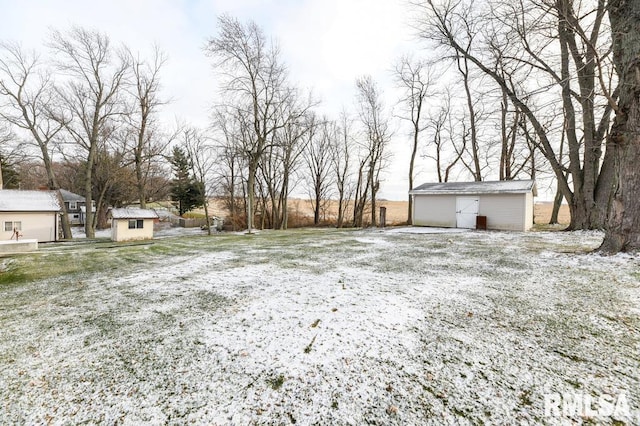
x=13, y=200
x=70, y=196
x=131, y=213
x=485, y=187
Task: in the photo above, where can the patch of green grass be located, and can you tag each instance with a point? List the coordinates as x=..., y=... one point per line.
x=208, y=301
x=12, y=277
x=276, y=382
x=510, y=263
x=193, y=215
x=308, y=348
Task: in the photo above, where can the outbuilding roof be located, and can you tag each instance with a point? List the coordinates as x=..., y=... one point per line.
x=13, y=200
x=131, y=213
x=485, y=187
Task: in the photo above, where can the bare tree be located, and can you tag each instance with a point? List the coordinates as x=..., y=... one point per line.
x=201, y=153
x=6, y=136
x=282, y=158
x=318, y=156
x=341, y=165
x=27, y=91
x=623, y=225
x=377, y=135
x=361, y=187
x=113, y=178
x=90, y=97
x=256, y=81
x=295, y=137
x=462, y=64
x=448, y=138
x=227, y=129
x=416, y=79
x=149, y=142
x=519, y=43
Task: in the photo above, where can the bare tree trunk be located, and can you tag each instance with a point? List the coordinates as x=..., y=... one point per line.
x=206, y=210
x=30, y=105
x=251, y=179
x=410, y=76
x=53, y=185
x=623, y=226
x=476, y=171
x=557, y=203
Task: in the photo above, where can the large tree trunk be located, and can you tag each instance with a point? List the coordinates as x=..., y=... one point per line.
x=251, y=179
x=89, y=227
x=140, y=184
x=206, y=211
x=414, y=151
x=53, y=185
x=623, y=225
x=557, y=203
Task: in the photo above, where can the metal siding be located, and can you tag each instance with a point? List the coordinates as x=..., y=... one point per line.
x=504, y=211
x=123, y=233
x=528, y=222
x=38, y=226
x=434, y=210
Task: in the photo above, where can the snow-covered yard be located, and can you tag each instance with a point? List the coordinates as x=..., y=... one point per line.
x=320, y=327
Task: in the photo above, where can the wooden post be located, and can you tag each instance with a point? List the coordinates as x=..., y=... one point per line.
x=383, y=217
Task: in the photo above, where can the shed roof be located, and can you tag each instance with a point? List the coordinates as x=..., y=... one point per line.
x=485, y=187
x=131, y=213
x=70, y=196
x=13, y=200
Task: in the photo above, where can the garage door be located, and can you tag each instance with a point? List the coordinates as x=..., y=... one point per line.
x=466, y=212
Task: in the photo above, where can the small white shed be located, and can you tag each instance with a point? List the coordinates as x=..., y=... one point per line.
x=504, y=205
x=32, y=214
x=132, y=224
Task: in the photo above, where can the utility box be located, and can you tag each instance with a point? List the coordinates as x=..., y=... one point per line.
x=481, y=222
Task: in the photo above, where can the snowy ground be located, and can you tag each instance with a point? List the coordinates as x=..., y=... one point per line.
x=323, y=327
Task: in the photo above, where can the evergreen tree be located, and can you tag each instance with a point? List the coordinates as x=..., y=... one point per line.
x=185, y=191
x=10, y=177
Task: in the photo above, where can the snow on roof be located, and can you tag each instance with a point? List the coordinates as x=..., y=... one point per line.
x=486, y=187
x=70, y=196
x=13, y=200
x=131, y=213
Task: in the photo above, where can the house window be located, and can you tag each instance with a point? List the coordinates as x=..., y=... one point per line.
x=136, y=224
x=73, y=205
x=10, y=226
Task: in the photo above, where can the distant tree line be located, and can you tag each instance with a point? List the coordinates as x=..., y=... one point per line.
x=506, y=91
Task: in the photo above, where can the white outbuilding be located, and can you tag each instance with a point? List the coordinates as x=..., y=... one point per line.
x=29, y=215
x=503, y=205
x=132, y=224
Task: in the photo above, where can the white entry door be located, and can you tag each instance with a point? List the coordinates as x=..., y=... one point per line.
x=466, y=212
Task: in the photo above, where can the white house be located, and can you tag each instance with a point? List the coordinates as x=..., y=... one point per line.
x=504, y=205
x=33, y=214
x=132, y=224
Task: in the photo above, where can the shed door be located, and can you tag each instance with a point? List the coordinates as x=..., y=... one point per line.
x=466, y=212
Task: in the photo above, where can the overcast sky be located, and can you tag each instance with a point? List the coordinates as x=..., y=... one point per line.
x=326, y=44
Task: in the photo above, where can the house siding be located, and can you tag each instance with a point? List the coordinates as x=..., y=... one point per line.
x=75, y=215
x=120, y=230
x=40, y=226
x=504, y=211
x=509, y=212
x=529, y=211
x=434, y=210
